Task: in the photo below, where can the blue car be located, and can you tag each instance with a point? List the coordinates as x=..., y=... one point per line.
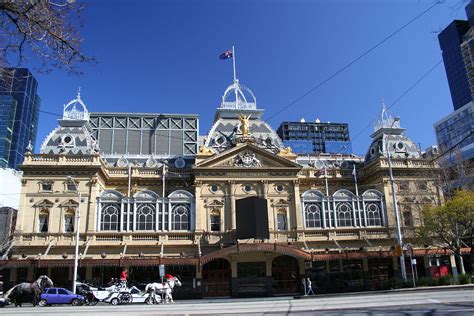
x=57, y=295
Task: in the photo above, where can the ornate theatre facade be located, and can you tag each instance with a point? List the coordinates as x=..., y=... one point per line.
x=151, y=194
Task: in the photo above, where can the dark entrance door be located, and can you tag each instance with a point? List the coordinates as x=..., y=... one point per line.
x=285, y=275
x=216, y=276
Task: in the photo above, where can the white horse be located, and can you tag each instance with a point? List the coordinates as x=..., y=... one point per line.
x=166, y=288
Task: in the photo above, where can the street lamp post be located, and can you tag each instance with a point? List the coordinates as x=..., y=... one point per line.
x=395, y=210
x=78, y=222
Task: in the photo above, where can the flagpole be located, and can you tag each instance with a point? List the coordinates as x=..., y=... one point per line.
x=326, y=181
x=129, y=178
x=355, y=180
x=235, y=79
x=233, y=61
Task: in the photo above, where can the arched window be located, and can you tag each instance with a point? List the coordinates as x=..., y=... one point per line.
x=182, y=210
x=110, y=216
x=181, y=215
x=312, y=215
x=43, y=221
x=69, y=221
x=146, y=216
x=344, y=216
x=373, y=214
x=110, y=205
x=312, y=208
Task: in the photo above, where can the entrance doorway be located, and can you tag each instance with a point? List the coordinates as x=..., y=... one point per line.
x=216, y=276
x=285, y=274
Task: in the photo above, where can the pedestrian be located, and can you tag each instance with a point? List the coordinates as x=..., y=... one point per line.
x=123, y=278
x=309, y=287
x=303, y=281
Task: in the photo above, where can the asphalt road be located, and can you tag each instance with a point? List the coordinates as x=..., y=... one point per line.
x=434, y=302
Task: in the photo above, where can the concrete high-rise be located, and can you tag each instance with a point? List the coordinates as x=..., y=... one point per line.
x=19, y=110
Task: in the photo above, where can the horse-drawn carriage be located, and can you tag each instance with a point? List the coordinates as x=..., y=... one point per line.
x=116, y=294
x=119, y=293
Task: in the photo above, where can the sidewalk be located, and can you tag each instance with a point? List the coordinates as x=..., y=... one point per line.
x=394, y=291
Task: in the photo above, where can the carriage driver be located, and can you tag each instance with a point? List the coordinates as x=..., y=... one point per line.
x=168, y=277
x=123, y=278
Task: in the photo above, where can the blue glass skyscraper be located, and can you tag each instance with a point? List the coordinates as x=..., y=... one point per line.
x=19, y=111
x=450, y=40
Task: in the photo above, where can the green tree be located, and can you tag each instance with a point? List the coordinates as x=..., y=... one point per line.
x=451, y=225
x=43, y=30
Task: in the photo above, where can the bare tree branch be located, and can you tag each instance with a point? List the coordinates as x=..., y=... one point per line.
x=43, y=30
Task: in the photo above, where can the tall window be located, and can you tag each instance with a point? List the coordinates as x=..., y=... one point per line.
x=181, y=216
x=146, y=215
x=215, y=222
x=344, y=216
x=43, y=221
x=407, y=219
x=373, y=215
x=110, y=217
x=69, y=222
x=313, y=215
x=281, y=221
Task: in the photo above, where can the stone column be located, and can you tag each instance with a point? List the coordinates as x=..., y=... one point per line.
x=297, y=206
x=24, y=207
x=30, y=274
x=234, y=290
x=231, y=195
x=201, y=215
x=88, y=273
x=426, y=265
x=268, y=274
x=396, y=267
x=198, y=290
x=365, y=273
x=92, y=210
x=13, y=275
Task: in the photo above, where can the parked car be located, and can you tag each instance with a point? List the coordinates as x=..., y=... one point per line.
x=57, y=295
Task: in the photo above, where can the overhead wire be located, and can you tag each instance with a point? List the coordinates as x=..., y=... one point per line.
x=336, y=73
x=356, y=59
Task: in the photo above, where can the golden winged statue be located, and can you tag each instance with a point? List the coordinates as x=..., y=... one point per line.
x=244, y=124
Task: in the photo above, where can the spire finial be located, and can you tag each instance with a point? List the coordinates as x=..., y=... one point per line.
x=79, y=92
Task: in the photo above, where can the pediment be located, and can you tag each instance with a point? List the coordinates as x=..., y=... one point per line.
x=247, y=156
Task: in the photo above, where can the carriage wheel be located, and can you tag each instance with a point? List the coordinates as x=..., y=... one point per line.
x=114, y=301
x=93, y=302
x=76, y=302
x=125, y=298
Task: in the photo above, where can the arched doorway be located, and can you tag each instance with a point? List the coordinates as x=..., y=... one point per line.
x=216, y=277
x=285, y=274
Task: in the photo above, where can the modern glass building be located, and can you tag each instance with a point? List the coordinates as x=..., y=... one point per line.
x=7, y=121
x=450, y=40
x=18, y=92
x=308, y=137
x=456, y=130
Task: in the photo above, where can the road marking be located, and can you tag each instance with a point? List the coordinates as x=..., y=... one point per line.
x=434, y=301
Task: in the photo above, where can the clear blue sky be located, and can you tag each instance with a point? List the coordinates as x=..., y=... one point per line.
x=162, y=56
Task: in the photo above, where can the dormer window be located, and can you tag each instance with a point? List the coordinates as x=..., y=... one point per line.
x=71, y=187
x=46, y=186
x=67, y=141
